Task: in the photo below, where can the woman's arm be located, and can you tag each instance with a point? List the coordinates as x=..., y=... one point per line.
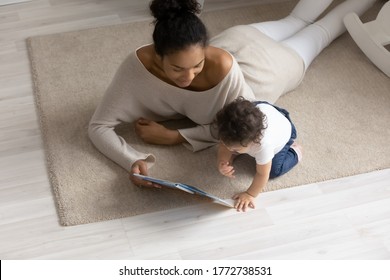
x=118, y=105
x=155, y=133
x=198, y=138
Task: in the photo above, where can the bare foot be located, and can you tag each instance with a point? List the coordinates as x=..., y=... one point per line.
x=298, y=150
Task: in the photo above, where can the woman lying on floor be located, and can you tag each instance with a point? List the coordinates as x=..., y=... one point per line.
x=184, y=74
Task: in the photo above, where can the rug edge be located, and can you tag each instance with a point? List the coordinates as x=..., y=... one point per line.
x=41, y=120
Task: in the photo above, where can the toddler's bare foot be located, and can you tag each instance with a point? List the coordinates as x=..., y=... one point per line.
x=298, y=150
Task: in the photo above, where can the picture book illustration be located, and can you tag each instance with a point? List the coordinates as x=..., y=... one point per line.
x=186, y=188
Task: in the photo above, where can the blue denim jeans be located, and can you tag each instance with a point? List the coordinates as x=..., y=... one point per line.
x=287, y=158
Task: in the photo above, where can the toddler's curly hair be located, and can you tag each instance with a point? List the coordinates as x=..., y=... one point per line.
x=240, y=122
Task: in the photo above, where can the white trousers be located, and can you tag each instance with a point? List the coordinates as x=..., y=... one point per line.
x=308, y=37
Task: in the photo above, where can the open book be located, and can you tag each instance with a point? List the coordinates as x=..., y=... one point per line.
x=186, y=188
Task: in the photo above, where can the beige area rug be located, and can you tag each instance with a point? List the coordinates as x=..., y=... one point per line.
x=341, y=110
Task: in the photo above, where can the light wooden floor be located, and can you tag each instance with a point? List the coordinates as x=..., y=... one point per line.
x=342, y=219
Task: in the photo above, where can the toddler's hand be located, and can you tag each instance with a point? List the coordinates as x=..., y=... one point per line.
x=243, y=201
x=226, y=169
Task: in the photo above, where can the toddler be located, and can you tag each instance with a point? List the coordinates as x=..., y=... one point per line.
x=263, y=131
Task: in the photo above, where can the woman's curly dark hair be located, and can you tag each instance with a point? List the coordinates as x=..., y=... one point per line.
x=177, y=25
x=240, y=122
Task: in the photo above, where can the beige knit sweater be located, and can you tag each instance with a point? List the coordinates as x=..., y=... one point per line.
x=135, y=92
x=270, y=68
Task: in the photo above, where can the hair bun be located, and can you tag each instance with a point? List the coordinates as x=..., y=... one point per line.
x=166, y=9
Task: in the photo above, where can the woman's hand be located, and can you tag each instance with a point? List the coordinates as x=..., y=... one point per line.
x=141, y=167
x=154, y=133
x=243, y=201
x=226, y=169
